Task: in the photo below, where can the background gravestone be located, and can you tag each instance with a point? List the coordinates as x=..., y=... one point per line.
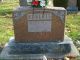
x=72, y=2
x=72, y=5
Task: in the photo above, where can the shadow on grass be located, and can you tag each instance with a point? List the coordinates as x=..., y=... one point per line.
x=1, y=49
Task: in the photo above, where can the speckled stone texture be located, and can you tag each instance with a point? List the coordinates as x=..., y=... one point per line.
x=39, y=25
x=23, y=2
x=38, y=51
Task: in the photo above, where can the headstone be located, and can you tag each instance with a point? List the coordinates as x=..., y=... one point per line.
x=39, y=25
x=42, y=24
x=72, y=5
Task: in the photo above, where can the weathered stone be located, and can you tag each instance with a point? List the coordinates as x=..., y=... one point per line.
x=72, y=5
x=31, y=51
x=23, y=2
x=39, y=25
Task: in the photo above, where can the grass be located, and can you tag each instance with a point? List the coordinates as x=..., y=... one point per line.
x=6, y=25
x=73, y=26
x=7, y=6
x=5, y=29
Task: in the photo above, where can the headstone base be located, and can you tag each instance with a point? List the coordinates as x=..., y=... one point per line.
x=72, y=9
x=35, y=51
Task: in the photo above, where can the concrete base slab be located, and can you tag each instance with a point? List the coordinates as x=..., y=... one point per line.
x=35, y=51
x=72, y=8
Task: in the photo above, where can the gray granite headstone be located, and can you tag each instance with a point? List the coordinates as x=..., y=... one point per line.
x=35, y=51
x=72, y=5
x=23, y=2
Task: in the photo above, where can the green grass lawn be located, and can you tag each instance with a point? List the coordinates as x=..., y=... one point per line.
x=7, y=6
x=73, y=26
x=6, y=25
x=6, y=29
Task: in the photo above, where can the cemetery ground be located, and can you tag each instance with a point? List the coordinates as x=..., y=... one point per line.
x=6, y=28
